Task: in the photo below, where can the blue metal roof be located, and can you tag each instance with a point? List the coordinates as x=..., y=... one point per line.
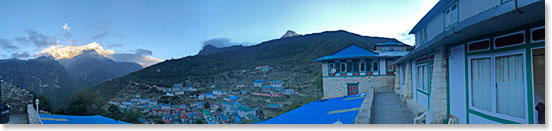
x=344, y=109
x=352, y=51
x=392, y=43
x=66, y=119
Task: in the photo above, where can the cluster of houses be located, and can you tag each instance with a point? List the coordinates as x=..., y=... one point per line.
x=273, y=87
x=474, y=62
x=208, y=111
x=177, y=89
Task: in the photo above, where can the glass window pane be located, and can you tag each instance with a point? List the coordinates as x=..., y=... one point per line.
x=389, y=65
x=510, y=94
x=481, y=83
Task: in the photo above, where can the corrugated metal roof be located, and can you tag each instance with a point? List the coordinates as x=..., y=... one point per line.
x=352, y=51
x=66, y=119
x=322, y=112
x=392, y=43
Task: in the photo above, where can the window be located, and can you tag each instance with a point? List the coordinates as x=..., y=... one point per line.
x=343, y=67
x=389, y=65
x=375, y=65
x=362, y=66
x=422, y=36
x=511, y=39
x=497, y=85
x=422, y=77
x=479, y=45
x=509, y=85
x=332, y=68
x=451, y=15
x=537, y=34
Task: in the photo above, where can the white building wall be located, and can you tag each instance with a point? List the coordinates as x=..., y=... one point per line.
x=435, y=27
x=469, y=8
x=422, y=99
x=457, y=83
x=474, y=119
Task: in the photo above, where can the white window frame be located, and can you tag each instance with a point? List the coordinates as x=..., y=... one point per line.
x=471, y=42
x=330, y=67
x=424, y=88
x=450, y=16
x=360, y=66
x=423, y=35
x=531, y=34
x=340, y=69
x=493, y=85
x=509, y=34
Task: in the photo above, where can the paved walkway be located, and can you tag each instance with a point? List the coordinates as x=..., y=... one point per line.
x=389, y=109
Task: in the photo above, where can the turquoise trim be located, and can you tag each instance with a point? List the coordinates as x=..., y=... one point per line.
x=467, y=84
x=423, y=92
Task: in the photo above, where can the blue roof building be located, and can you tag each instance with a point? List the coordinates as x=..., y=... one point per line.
x=356, y=64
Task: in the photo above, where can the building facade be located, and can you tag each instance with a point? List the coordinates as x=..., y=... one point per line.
x=477, y=62
x=354, y=70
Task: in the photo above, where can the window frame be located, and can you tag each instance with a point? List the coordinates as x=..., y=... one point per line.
x=342, y=67
x=360, y=66
x=425, y=87
x=446, y=27
x=509, y=34
x=387, y=66
x=476, y=41
x=531, y=34
x=375, y=65
x=330, y=68
x=493, y=111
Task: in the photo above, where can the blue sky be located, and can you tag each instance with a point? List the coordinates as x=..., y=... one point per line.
x=174, y=29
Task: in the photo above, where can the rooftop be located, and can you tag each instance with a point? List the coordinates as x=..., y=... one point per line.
x=352, y=51
x=66, y=119
x=322, y=112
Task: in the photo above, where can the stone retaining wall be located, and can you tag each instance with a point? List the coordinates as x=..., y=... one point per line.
x=337, y=86
x=18, y=98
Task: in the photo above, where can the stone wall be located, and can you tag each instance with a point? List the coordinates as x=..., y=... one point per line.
x=17, y=97
x=337, y=86
x=33, y=115
x=438, y=97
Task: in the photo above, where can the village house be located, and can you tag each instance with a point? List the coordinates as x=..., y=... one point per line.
x=276, y=83
x=477, y=62
x=258, y=83
x=353, y=69
x=263, y=68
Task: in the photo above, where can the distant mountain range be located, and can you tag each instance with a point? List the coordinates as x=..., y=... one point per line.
x=57, y=79
x=299, y=49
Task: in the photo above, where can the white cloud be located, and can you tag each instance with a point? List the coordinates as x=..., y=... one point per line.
x=66, y=27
